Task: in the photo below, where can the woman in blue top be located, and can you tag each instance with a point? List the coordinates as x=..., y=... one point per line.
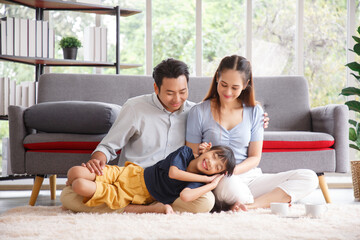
x=229, y=115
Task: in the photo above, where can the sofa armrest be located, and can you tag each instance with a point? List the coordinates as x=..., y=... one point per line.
x=17, y=133
x=333, y=119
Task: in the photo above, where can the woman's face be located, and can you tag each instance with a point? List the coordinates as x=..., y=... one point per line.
x=230, y=85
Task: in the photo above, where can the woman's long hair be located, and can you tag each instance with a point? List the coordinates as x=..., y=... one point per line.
x=243, y=66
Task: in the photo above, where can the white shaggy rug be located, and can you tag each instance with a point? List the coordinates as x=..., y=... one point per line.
x=339, y=222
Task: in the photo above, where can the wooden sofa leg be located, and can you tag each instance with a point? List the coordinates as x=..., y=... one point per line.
x=324, y=187
x=53, y=186
x=36, y=189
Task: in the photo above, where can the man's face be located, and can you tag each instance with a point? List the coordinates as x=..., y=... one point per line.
x=172, y=93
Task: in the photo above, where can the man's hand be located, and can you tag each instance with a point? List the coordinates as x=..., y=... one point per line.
x=95, y=166
x=266, y=120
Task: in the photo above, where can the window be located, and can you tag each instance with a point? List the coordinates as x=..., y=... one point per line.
x=223, y=32
x=325, y=50
x=273, y=27
x=173, y=31
x=132, y=37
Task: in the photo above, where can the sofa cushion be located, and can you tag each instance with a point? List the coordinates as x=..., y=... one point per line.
x=71, y=117
x=297, y=140
x=62, y=141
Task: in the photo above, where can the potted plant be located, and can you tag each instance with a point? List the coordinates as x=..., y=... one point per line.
x=70, y=46
x=354, y=105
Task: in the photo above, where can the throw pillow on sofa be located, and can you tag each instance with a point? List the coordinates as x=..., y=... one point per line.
x=72, y=117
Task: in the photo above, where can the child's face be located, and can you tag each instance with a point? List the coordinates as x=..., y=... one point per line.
x=209, y=163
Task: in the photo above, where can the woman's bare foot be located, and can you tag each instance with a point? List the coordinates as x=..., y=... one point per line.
x=238, y=207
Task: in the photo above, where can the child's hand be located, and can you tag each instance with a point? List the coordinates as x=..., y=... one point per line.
x=266, y=120
x=209, y=179
x=204, y=147
x=217, y=179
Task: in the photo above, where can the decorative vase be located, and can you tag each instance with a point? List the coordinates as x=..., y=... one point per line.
x=70, y=53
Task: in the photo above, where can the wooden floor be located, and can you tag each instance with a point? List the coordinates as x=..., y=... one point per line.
x=11, y=199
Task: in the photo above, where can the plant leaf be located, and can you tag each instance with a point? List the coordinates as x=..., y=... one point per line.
x=357, y=49
x=357, y=77
x=352, y=122
x=353, y=105
x=350, y=91
x=356, y=39
x=357, y=142
x=354, y=66
x=352, y=134
x=357, y=134
x=354, y=146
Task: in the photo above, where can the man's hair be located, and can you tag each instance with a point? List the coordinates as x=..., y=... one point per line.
x=170, y=68
x=226, y=154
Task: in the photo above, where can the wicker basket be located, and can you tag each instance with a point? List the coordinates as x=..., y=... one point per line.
x=355, y=173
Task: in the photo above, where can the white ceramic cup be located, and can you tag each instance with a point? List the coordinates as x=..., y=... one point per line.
x=281, y=209
x=315, y=210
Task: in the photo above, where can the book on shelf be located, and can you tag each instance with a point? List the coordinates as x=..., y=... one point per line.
x=36, y=90
x=103, y=43
x=31, y=94
x=51, y=43
x=6, y=94
x=39, y=38
x=24, y=37
x=3, y=37
x=24, y=94
x=16, y=36
x=10, y=36
x=12, y=93
x=97, y=44
x=32, y=38
x=89, y=43
x=18, y=95
x=45, y=39
x=6, y=162
x=2, y=96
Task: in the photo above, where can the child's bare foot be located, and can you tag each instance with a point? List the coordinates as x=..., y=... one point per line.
x=64, y=208
x=67, y=183
x=238, y=207
x=162, y=208
x=168, y=209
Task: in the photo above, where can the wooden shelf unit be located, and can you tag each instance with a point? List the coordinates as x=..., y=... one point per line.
x=56, y=5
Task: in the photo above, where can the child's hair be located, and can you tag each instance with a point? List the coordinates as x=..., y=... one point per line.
x=226, y=154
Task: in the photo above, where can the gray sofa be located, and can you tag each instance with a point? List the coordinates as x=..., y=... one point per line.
x=75, y=111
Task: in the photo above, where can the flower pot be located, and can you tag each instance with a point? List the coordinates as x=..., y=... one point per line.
x=355, y=173
x=70, y=53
